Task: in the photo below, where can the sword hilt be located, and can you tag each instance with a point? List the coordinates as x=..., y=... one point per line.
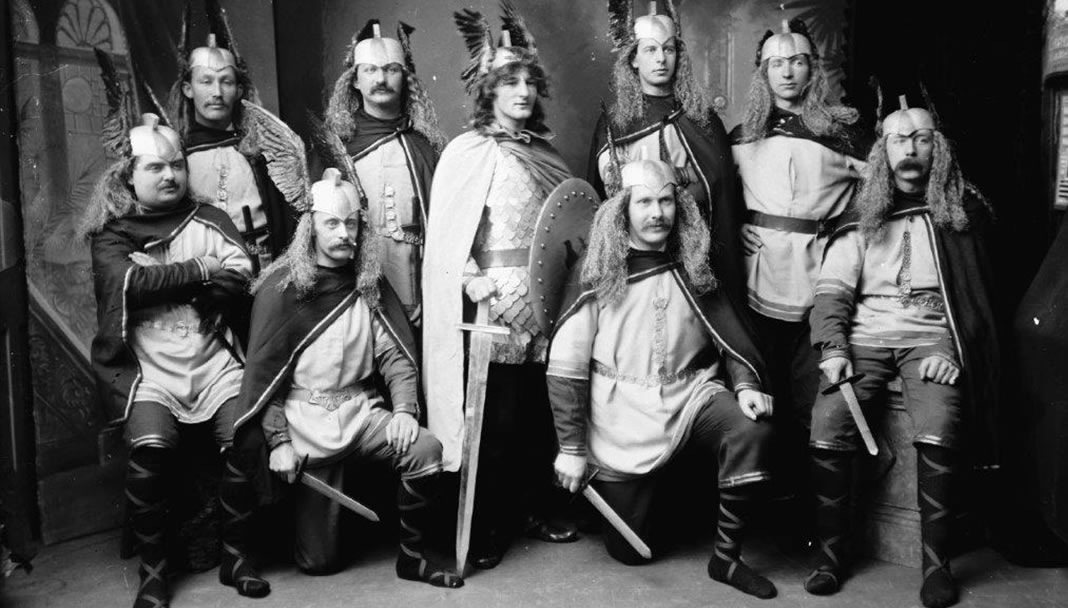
x=850, y=380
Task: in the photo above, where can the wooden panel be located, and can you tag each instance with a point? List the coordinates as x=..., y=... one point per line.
x=81, y=501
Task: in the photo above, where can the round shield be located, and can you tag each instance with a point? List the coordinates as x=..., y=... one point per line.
x=560, y=238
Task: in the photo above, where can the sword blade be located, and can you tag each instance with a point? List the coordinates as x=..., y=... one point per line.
x=858, y=417
x=477, y=372
x=337, y=496
x=617, y=522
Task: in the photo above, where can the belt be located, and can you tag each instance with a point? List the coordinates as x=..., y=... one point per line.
x=783, y=223
x=329, y=399
x=648, y=381
x=931, y=301
x=181, y=328
x=502, y=258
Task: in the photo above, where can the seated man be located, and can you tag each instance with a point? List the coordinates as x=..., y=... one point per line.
x=648, y=358
x=325, y=327
x=903, y=292
x=167, y=267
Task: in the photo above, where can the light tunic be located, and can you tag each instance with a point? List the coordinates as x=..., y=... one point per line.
x=184, y=364
x=651, y=365
x=333, y=391
x=395, y=215
x=223, y=176
x=797, y=178
x=870, y=271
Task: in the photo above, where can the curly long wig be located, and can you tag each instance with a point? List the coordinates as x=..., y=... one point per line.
x=604, y=269
x=482, y=116
x=822, y=117
x=629, y=105
x=298, y=262
x=180, y=108
x=945, y=190
x=345, y=100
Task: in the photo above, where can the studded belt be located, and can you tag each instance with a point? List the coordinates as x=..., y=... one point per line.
x=181, y=328
x=931, y=301
x=647, y=381
x=330, y=399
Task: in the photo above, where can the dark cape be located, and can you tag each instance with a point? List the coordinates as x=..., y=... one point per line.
x=283, y=325
x=122, y=286
x=373, y=132
x=965, y=275
x=1041, y=333
x=281, y=219
x=718, y=312
x=709, y=149
x=854, y=141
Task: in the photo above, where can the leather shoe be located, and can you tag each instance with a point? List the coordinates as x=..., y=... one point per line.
x=551, y=532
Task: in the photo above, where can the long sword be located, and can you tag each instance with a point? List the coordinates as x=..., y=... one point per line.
x=474, y=410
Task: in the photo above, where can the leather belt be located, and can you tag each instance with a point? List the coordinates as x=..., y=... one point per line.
x=660, y=379
x=502, y=258
x=800, y=225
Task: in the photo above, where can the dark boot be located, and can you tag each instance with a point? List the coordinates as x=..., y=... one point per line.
x=414, y=497
x=146, y=504
x=237, y=499
x=832, y=472
x=934, y=469
x=726, y=566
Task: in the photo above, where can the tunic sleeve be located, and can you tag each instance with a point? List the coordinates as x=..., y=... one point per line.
x=398, y=371
x=568, y=377
x=836, y=288
x=145, y=286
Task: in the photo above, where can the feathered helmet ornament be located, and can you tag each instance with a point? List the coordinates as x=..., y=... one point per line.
x=625, y=29
x=516, y=41
x=220, y=50
x=793, y=40
x=370, y=46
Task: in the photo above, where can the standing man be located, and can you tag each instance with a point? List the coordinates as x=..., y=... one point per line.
x=650, y=361
x=324, y=329
x=382, y=114
x=799, y=159
x=489, y=189
x=170, y=273
x=904, y=292
x=661, y=112
x=226, y=166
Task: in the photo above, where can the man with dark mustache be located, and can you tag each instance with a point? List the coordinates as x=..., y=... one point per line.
x=382, y=115
x=650, y=362
x=226, y=166
x=661, y=112
x=904, y=291
x=326, y=333
x=171, y=272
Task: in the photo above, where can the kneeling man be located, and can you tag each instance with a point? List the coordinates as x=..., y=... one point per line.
x=325, y=330
x=648, y=358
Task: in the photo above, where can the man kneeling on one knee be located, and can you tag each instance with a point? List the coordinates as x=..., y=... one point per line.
x=649, y=358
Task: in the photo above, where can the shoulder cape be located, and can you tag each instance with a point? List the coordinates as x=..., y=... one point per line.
x=458, y=197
